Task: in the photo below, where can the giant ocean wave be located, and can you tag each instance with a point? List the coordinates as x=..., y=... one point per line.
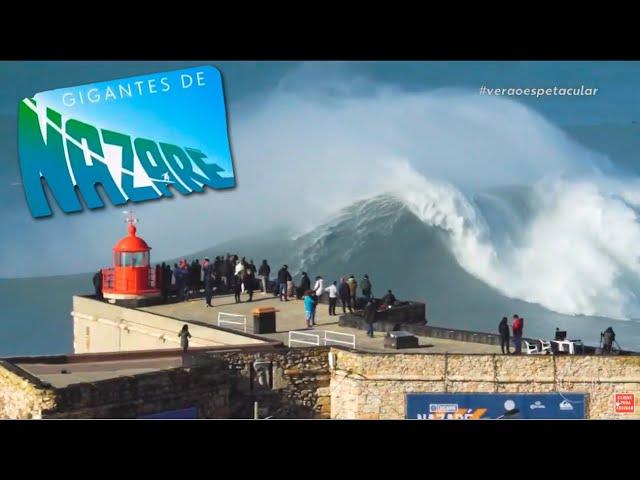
x=570, y=246
x=522, y=206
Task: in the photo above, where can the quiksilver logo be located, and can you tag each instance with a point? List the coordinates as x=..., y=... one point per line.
x=565, y=405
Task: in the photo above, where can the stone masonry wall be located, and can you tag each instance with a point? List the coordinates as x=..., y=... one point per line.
x=22, y=397
x=373, y=386
x=297, y=385
x=207, y=388
x=219, y=385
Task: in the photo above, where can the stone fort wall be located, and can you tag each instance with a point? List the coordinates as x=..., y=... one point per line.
x=301, y=383
x=373, y=385
x=286, y=383
x=22, y=396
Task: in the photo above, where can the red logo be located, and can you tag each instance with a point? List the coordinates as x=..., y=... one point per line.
x=625, y=403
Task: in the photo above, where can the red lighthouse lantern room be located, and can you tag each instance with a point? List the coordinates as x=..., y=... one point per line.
x=131, y=277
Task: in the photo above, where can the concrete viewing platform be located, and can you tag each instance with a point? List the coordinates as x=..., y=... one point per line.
x=61, y=375
x=291, y=317
x=127, y=363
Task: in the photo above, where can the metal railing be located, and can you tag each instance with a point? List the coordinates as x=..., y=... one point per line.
x=155, y=277
x=304, y=338
x=232, y=319
x=108, y=278
x=322, y=337
x=348, y=339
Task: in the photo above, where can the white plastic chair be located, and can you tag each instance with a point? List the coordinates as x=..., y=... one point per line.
x=545, y=347
x=531, y=348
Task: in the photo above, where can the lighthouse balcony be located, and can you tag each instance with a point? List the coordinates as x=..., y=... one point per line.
x=130, y=283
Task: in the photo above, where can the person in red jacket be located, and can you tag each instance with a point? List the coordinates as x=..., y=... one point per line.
x=517, y=326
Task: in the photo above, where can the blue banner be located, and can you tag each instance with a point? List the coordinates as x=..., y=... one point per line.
x=477, y=406
x=191, y=412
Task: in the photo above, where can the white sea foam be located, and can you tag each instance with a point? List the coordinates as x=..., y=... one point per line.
x=577, y=249
x=578, y=253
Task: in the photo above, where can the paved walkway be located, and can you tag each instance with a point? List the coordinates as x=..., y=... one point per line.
x=60, y=375
x=291, y=317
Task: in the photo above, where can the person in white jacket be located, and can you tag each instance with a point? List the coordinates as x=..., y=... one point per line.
x=240, y=272
x=318, y=287
x=332, y=290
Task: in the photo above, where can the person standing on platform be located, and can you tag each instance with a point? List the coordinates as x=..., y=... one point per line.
x=517, y=326
x=316, y=301
x=332, y=290
x=97, y=284
x=230, y=271
x=503, y=330
x=370, y=316
x=305, y=284
x=239, y=271
x=203, y=266
x=249, y=281
x=184, y=337
x=208, y=284
x=166, y=282
x=318, y=287
x=237, y=289
x=283, y=277
x=181, y=274
x=195, y=276
x=318, y=290
x=345, y=298
x=225, y=272
x=365, y=285
x=291, y=290
x=608, y=337
x=353, y=290
x=309, y=305
x=263, y=274
x=217, y=267
x=389, y=299
x=157, y=277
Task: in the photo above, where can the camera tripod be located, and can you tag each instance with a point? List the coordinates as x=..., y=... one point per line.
x=613, y=342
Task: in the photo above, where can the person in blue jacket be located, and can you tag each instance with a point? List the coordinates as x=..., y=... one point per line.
x=309, y=305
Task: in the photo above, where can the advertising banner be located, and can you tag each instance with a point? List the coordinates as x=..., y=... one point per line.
x=477, y=406
x=625, y=403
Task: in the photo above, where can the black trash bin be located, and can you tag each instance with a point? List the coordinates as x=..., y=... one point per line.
x=264, y=320
x=400, y=339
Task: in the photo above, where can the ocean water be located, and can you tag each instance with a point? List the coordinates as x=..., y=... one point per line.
x=380, y=236
x=522, y=218
x=35, y=314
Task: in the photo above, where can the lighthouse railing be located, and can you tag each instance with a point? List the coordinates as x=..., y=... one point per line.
x=155, y=277
x=108, y=278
